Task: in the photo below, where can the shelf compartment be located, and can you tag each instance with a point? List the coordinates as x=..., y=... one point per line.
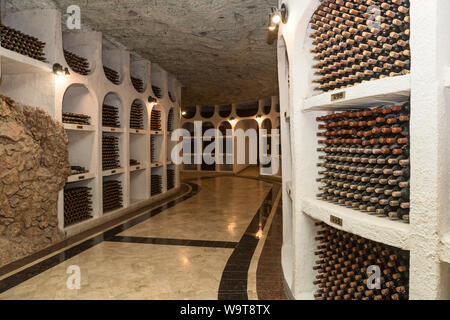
x=138, y=186
x=78, y=100
x=139, y=149
x=14, y=63
x=113, y=157
x=112, y=112
x=367, y=226
x=138, y=117
x=156, y=148
x=113, y=193
x=78, y=204
x=156, y=181
x=171, y=177
x=371, y=93
x=81, y=149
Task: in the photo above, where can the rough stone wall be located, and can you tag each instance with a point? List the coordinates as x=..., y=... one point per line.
x=34, y=167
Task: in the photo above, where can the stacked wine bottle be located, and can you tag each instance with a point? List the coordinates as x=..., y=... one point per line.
x=110, y=116
x=112, y=195
x=346, y=262
x=77, y=205
x=138, y=84
x=112, y=75
x=137, y=116
x=360, y=40
x=77, y=170
x=155, y=121
x=156, y=184
x=366, y=161
x=157, y=91
x=153, y=156
x=134, y=162
x=73, y=118
x=170, y=179
x=171, y=121
x=110, y=152
x=21, y=43
x=77, y=63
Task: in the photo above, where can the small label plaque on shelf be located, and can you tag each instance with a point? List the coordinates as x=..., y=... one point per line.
x=338, y=96
x=80, y=127
x=336, y=220
x=80, y=177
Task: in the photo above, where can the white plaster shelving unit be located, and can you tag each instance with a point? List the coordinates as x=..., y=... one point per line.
x=427, y=237
x=226, y=113
x=33, y=83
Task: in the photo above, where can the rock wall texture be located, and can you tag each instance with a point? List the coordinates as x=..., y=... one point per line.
x=216, y=48
x=34, y=167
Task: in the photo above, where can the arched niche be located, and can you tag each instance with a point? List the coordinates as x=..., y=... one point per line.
x=139, y=69
x=112, y=111
x=225, y=110
x=207, y=111
x=158, y=81
x=172, y=120
x=188, y=112
x=113, y=63
x=156, y=118
x=245, y=110
x=267, y=125
x=138, y=115
x=78, y=100
x=79, y=51
x=224, y=126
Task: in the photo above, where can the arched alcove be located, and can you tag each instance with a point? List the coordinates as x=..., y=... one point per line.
x=112, y=111
x=113, y=62
x=158, y=81
x=138, y=73
x=245, y=110
x=188, y=112
x=138, y=115
x=225, y=110
x=267, y=125
x=207, y=111
x=79, y=52
x=171, y=120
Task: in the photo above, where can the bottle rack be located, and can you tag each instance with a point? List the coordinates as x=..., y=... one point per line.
x=112, y=194
x=24, y=44
x=156, y=180
x=425, y=238
x=171, y=177
x=225, y=117
x=139, y=69
x=84, y=95
x=77, y=205
x=159, y=79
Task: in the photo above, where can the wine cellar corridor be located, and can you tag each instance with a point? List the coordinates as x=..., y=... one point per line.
x=224, y=150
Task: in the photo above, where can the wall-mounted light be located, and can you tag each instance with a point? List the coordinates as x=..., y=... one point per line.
x=233, y=121
x=184, y=113
x=152, y=100
x=60, y=71
x=278, y=16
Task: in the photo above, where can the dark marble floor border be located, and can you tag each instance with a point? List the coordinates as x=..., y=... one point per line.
x=175, y=242
x=233, y=285
x=36, y=269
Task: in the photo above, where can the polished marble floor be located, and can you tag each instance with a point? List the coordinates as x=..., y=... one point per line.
x=198, y=247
